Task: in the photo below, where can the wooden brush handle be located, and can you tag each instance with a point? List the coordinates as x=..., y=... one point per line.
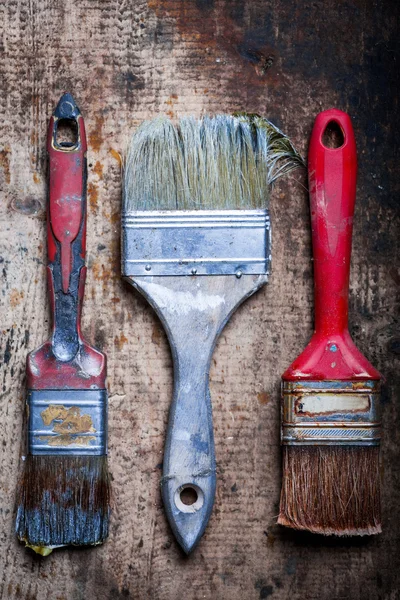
x=66, y=228
x=331, y=353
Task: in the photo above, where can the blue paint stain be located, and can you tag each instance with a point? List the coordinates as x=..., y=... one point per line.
x=333, y=348
x=198, y=443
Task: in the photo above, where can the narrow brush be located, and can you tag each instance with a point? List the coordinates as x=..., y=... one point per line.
x=64, y=494
x=196, y=244
x=330, y=393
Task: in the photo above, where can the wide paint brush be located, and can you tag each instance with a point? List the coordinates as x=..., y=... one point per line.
x=64, y=494
x=330, y=401
x=196, y=244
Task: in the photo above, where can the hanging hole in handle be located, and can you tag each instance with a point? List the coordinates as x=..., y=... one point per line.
x=66, y=135
x=333, y=136
x=189, y=498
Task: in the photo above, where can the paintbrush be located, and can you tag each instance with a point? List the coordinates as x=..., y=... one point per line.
x=64, y=493
x=196, y=244
x=330, y=399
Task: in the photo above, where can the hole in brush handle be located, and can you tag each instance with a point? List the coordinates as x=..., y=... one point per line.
x=66, y=134
x=333, y=136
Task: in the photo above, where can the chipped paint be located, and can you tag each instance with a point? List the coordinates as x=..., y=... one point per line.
x=67, y=421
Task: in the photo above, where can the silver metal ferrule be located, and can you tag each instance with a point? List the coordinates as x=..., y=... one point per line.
x=67, y=422
x=331, y=412
x=196, y=242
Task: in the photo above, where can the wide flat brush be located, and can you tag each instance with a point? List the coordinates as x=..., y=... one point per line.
x=64, y=494
x=330, y=394
x=196, y=244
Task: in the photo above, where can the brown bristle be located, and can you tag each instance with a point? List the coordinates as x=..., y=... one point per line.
x=332, y=490
x=63, y=500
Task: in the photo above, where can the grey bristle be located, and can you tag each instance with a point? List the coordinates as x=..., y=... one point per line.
x=209, y=163
x=63, y=500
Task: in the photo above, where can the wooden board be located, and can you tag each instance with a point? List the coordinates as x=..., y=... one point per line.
x=127, y=61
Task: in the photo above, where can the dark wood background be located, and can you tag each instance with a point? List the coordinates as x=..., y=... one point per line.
x=126, y=61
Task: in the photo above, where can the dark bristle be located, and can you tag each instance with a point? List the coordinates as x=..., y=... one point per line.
x=331, y=490
x=63, y=500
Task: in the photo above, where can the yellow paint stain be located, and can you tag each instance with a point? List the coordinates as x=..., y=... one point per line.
x=67, y=421
x=42, y=550
x=15, y=297
x=120, y=341
x=116, y=155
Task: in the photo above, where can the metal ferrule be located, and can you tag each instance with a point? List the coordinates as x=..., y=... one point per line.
x=331, y=412
x=198, y=242
x=68, y=422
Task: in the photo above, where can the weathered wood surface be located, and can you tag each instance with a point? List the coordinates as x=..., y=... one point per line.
x=126, y=61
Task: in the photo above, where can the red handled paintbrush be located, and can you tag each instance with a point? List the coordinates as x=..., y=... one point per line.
x=330, y=416
x=64, y=494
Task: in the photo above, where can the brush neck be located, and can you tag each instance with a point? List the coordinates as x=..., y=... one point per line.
x=66, y=236
x=332, y=182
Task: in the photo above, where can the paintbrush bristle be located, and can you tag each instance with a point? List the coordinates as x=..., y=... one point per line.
x=221, y=162
x=332, y=490
x=63, y=500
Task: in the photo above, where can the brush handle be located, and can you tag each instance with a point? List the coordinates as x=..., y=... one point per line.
x=66, y=229
x=193, y=310
x=332, y=174
x=331, y=353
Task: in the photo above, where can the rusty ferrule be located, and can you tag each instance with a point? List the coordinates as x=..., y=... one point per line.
x=331, y=412
x=67, y=422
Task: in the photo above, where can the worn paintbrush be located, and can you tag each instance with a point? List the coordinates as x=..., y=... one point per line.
x=196, y=244
x=64, y=493
x=330, y=410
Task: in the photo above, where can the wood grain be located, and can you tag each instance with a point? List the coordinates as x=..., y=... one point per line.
x=127, y=61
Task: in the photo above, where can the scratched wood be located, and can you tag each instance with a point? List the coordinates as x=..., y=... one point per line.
x=127, y=61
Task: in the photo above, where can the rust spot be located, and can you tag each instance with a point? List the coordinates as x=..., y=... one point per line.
x=15, y=297
x=156, y=334
x=358, y=385
x=270, y=538
x=263, y=397
x=117, y=156
x=100, y=273
x=98, y=169
x=120, y=341
x=5, y=163
x=36, y=178
x=93, y=194
x=115, y=300
x=96, y=138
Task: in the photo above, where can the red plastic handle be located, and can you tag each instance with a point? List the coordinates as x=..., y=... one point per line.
x=331, y=354
x=66, y=361
x=67, y=205
x=332, y=174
